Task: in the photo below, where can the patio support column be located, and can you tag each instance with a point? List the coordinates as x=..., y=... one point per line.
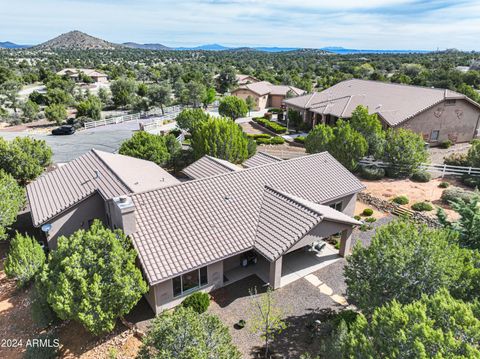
x=275, y=273
x=345, y=242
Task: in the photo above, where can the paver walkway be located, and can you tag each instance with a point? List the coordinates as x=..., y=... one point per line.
x=325, y=289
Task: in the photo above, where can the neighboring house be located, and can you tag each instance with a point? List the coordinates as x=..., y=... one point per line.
x=74, y=74
x=72, y=196
x=192, y=235
x=437, y=114
x=265, y=94
x=208, y=166
x=246, y=79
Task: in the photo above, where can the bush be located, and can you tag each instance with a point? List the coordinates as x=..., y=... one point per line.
x=444, y=185
x=457, y=159
x=365, y=227
x=25, y=259
x=277, y=140
x=372, y=172
x=357, y=217
x=471, y=181
x=273, y=126
x=454, y=194
x=198, y=301
x=446, y=144
x=259, y=135
x=421, y=176
x=300, y=139
x=367, y=212
x=422, y=207
x=401, y=200
x=370, y=219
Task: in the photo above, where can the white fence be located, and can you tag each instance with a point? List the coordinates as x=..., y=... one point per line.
x=169, y=112
x=441, y=169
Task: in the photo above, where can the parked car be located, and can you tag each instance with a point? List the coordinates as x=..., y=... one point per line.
x=63, y=130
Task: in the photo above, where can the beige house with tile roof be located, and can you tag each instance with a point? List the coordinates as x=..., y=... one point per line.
x=196, y=235
x=266, y=94
x=437, y=114
x=74, y=74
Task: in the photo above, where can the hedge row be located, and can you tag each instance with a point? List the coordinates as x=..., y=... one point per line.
x=272, y=126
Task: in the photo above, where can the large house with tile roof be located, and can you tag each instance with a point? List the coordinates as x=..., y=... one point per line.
x=197, y=234
x=437, y=114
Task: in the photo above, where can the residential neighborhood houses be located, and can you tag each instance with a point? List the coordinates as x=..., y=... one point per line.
x=437, y=114
x=201, y=204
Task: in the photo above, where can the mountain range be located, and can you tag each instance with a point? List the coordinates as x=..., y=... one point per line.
x=77, y=40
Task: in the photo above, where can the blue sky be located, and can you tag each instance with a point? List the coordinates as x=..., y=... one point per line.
x=366, y=24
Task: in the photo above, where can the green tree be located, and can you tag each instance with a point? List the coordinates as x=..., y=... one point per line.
x=436, y=326
x=267, y=320
x=370, y=128
x=30, y=110
x=221, y=138
x=13, y=200
x=347, y=146
x=193, y=93
x=250, y=102
x=210, y=96
x=56, y=113
x=104, y=95
x=473, y=155
x=185, y=334
x=24, y=158
x=9, y=94
x=24, y=260
x=92, y=278
x=404, y=261
x=404, y=151
x=468, y=225
x=233, y=107
x=160, y=95
x=190, y=118
x=319, y=139
x=57, y=96
x=91, y=108
x=123, y=92
x=227, y=80
x=150, y=147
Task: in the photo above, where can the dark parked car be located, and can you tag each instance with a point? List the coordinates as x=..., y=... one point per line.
x=64, y=130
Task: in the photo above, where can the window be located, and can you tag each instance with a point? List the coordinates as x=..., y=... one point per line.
x=337, y=206
x=434, y=136
x=190, y=281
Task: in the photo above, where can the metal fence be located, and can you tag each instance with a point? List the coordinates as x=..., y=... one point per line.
x=441, y=169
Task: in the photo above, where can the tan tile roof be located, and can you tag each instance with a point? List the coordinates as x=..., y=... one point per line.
x=195, y=223
x=395, y=103
x=266, y=88
x=260, y=158
x=88, y=72
x=209, y=166
x=111, y=175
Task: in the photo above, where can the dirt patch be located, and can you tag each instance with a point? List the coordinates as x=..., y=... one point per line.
x=388, y=189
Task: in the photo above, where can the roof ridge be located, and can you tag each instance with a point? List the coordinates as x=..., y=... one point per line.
x=236, y=172
x=268, y=155
x=397, y=84
x=93, y=150
x=288, y=196
x=220, y=162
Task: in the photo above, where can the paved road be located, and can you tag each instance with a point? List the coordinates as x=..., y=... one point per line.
x=67, y=148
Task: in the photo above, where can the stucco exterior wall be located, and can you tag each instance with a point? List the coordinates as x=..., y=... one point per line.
x=78, y=217
x=348, y=204
x=261, y=101
x=457, y=122
x=321, y=231
x=162, y=293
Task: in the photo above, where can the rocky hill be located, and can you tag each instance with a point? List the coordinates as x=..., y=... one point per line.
x=77, y=40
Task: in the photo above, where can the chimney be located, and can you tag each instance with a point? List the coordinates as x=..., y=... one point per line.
x=122, y=214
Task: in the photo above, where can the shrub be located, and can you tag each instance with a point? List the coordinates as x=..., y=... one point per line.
x=259, y=135
x=471, y=181
x=198, y=301
x=24, y=260
x=367, y=212
x=365, y=227
x=457, y=159
x=422, y=207
x=444, y=185
x=357, y=217
x=454, y=194
x=273, y=126
x=263, y=141
x=421, y=176
x=401, y=200
x=372, y=172
x=446, y=144
x=300, y=139
x=370, y=219
x=277, y=140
